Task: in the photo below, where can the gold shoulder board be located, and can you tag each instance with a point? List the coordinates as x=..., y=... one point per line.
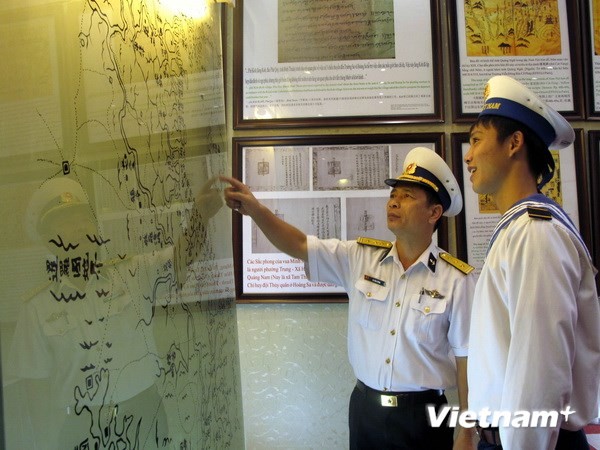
x=460, y=265
x=35, y=291
x=115, y=261
x=539, y=213
x=375, y=242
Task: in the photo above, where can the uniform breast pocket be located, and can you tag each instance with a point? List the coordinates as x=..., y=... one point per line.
x=430, y=318
x=59, y=323
x=373, y=305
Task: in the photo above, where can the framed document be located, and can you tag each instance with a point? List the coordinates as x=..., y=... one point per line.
x=594, y=170
x=591, y=49
x=351, y=62
x=477, y=220
x=327, y=186
x=536, y=42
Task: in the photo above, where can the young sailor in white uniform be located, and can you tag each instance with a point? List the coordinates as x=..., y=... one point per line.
x=535, y=328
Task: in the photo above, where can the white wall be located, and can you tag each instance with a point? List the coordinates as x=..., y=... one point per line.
x=296, y=379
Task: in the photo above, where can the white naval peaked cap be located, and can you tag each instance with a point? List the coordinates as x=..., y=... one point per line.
x=504, y=96
x=53, y=196
x=425, y=167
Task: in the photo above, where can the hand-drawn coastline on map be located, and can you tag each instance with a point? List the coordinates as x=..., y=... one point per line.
x=130, y=342
x=512, y=28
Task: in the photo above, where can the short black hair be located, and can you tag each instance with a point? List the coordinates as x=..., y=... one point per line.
x=433, y=199
x=540, y=160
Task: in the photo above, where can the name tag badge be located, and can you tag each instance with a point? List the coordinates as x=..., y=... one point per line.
x=374, y=280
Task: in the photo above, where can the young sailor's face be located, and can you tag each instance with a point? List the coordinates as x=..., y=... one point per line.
x=486, y=159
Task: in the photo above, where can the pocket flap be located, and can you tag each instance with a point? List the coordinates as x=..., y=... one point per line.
x=372, y=290
x=428, y=305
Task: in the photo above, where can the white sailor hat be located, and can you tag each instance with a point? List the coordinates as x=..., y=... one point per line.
x=53, y=197
x=425, y=167
x=505, y=96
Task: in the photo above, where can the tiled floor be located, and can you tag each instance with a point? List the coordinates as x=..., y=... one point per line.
x=593, y=436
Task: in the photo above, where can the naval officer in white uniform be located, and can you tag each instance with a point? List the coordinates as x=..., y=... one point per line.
x=409, y=306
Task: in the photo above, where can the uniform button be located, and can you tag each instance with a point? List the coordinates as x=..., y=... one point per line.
x=368, y=294
x=397, y=304
x=393, y=332
x=388, y=360
x=403, y=276
x=427, y=309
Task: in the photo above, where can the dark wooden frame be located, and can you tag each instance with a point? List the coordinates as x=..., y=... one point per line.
x=239, y=144
x=592, y=163
x=573, y=18
x=359, y=119
x=588, y=61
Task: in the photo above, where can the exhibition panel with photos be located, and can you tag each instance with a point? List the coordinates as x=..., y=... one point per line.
x=317, y=116
x=330, y=64
x=537, y=42
x=328, y=186
x=547, y=45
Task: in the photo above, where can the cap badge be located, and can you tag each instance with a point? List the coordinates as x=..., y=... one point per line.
x=66, y=197
x=411, y=168
x=486, y=92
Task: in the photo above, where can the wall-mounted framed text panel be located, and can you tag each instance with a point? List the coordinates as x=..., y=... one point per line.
x=349, y=62
x=328, y=186
x=591, y=22
x=477, y=220
x=594, y=169
x=536, y=42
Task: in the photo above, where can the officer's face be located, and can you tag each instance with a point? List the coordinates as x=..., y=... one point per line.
x=74, y=228
x=408, y=210
x=487, y=159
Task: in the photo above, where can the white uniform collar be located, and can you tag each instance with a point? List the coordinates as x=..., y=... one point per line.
x=428, y=258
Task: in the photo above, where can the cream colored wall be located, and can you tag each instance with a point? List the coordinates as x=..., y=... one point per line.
x=296, y=379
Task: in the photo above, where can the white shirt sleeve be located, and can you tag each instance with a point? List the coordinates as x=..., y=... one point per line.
x=327, y=260
x=460, y=317
x=542, y=272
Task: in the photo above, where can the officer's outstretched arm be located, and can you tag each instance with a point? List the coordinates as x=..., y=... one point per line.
x=285, y=237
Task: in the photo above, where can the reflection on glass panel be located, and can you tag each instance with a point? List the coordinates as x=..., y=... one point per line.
x=117, y=321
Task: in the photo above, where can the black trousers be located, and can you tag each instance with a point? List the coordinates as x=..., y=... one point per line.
x=567, y=440
x=404, y=427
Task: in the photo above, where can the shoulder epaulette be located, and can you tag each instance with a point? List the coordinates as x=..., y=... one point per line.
x=375, y=242
x=536, y=212
x=35, y=291
x=114, y=261
x=457, y=263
